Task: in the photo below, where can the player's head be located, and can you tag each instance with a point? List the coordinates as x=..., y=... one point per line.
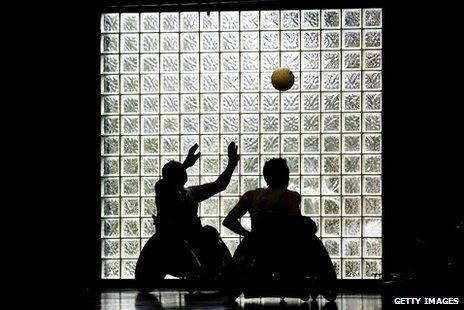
x=276, y=172
x=174, y=172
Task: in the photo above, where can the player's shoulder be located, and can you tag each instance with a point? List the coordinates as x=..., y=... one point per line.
x=293, y=194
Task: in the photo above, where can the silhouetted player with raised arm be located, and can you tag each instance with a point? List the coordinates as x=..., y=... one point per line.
x=181, y=244
x=281, y=240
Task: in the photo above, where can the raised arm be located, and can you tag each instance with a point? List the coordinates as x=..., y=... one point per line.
x=205, y=191
x=232, y=219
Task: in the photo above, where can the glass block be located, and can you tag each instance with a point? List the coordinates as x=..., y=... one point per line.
x=110, y=104
x=372, y=227
x=351, y=143
x=130, y=165
x=110, y=227
x=210, y=62
x=190, y=63
x=130, y=186
x=150, y=145
x=130, y=104
x=250, y=123
x=269, y=144
x=249, y=82
x=189, y=83
x=249, y=183
x=110, y=84
x=290, y=19
x=372, y=205
x=229, y=123
x=130, y=125
x=352, y=39
x=330, y=80
x=352, y=18
x=351, y=164
x=110, y=269
x=290, y=122
x=290, y=40
x=169, y=103
x=110, y=43
x=270, y=19
x=129, y=43
x=372, y=39
x=352, y=227
x=351, y=81
x=331, y=60
x=250, y=103
x=189, y=21
x=332, y=246
x=189, y=42
x=293, y=163
x=109, y=64
x=310, y=102
x=311, y=185
x=150, y=166
x=372, y=143
x=190, y=103
x=331, y=19
x=149, y=63
x=129, y=22
x=372, y=121
x=110, y=145
x=372, y=17
x=110, y=186
x=372, y=268
x=210, y=144
x=351, y=269
x=311, y=122
x=372, y=185
x=150, y=124
x=351, y=206
x=311, y=164
x=148, y=186
x=130, y=84
x=149, y=21
x=372, y=60
x=149, y=84
x=249, y=20
x=209, y=124
x=310, y=206
x=291, y=144
x=372, y=80
x=310, y=60
x=269, y=102
x=311, y=143
x=309, y=19
x=330, y=102
x=148, y=228
x=169, y=145
x=330, y=185
x=351, y=247
x=269, y=61
x=109, y=22
x=230, y=62
x=331, y=205
x=187, y=142
x=291, y=60
x=352, y=60
x=149, y=42
x=128, y=269
x=351, y=101
x=209, y=82
x=209, y=165
x=230, y=82
x=270, y=40
x=250, y=144
x=210, y=207
x=170, y=83
x=110, y=125
x=169, y=22
x=372, y=247
x=331, y=122
x=110, y=248
x=310, y=40
x=150, y=104
x=169, y=42
x=190, y=124
x=250, y=165
x=351, y=185
x=330, y=39
x=249, y=41
x=351, y=122
x=130, y=248
x=169, y=63
x=232, y=188
x=331, y=226
x=110, y=207
x=372, y=164
x=130, y=227
x=331, y=164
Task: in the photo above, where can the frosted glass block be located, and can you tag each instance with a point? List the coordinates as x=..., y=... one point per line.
x=372, y=185
x=310, y=60
x=148, y=228
x=266, y=84
x=209, y=22
x=130, y=186
x=249, y=183
x=290, y=40
x=250, y=61
x=270, y=144
x=210, y=62
x=351, y=185
x=351, y=247
x=129, y=43
x=372, y=205
x=331, y=205
x=372, y=143
x=330, y=185
x=210, y=207
x=232, y=188
x=170, y=83
x=352, y=269
x=150, y=104
x=209, y=41
x=269, y=19
x=229, y=123
x=330, y=226
x=331, y=102
x=351, y=164
x=169, y=63
x=372, y=60
x=149, y=21
x=169, y=22
x=372, y=247
x=351, y=102
x=330, y=60
x=331, y=39
x=310, y=102
x=109, y=23
x=109, y=64
x=230, y=82
x=229, y=20
x=250, y=165
x=249, y=20
x=109, y=43
x=330, y=80
x=331, y=164
x=269, y=102
x=311, y=40
x=250, y=144
x=330, y=122
x=150, y=124
x=186, y=143
x=230, y=41
x=352, y=39
x=110, y=125
x=372, y=17
x=372, y=121
x=130, y=125
x=169, y=124
x=310, y=185
x=290, y=122
x=310, y=206
x=210, y=103
x=110, y=248
x=352, y=18
x=351, y=206
x=110, y=104
x=311, y=143
x=372, y=227
x=372, y=164
x=332, y=246
x=351, y=122
x=309, y=19
x=210, y=144
x=190, y=125
x=351, y=143
x=130, y=145
x=331, y=19
x=169, y=145
x=270, y=40
x=209, y=82
x=372, y=269
x=209, y=165
x=249, y=41
x=229, y=62
x=110, y=227
x=352, y=60
x=250, y=103
x=149, y=84
x=189, y=83
x=290, y=60
x=190, y=103
x=110, y=84
x=293, y=163
x=352, y=227
x=190, y=63
x=189, y=21
x=210, y=124
x=290, y=144
x=110, y=269
x=250, y=123
x=130, y=227
x=110, y=207
x=189, y=42
x=110, y=146
x=129, y=84
x=110, y=186
x=149, y=42
x=130, y=165
x=311, y=123
x=372, y=39
x=311, y=164
x=351, y=81
x=149, y=63
x=290, y=102
x=250, y=81
x=290, y=19
x=150, y=166
x=130, y=207
x=128, y=269
x=269, y=61
x=129, y=22
x=169, y=42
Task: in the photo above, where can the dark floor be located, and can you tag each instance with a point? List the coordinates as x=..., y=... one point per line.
x=124, y=299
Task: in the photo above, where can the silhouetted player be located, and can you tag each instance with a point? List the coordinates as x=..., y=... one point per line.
x=281, y=240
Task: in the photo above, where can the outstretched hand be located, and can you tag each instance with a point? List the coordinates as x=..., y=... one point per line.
x=192, y=157
x=232, y=152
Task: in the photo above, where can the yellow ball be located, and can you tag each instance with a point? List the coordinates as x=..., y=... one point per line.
x=282, y=79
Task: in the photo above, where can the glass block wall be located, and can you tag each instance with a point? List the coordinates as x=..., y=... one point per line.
x=172, y=79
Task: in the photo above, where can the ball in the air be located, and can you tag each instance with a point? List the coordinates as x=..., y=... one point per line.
x=282, y=79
